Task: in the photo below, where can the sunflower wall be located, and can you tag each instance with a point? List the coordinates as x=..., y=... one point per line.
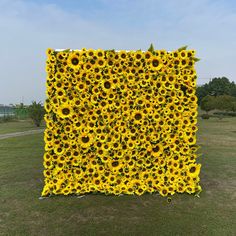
x=120, y=122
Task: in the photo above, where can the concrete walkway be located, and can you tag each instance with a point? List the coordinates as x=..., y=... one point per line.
x=16, y=134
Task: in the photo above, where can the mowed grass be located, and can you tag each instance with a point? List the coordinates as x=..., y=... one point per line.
x=18, y=126
x=214, y=213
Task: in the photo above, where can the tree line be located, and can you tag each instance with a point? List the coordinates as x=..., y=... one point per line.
x=218, y=94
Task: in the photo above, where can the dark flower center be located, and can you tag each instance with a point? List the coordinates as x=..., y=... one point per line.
x=107, y=85
x=138, y=116
x=115, y=163
x=75, y=61
x=100, y=54
x=156, y=149
x=65, y=111
x=85, y=139
x=100, y=62
x=192, y=169
x=155, y=63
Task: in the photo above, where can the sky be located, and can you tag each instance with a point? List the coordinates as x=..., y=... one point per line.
x=29, y=27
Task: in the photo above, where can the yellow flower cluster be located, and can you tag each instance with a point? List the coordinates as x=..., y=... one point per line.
x=120, y=122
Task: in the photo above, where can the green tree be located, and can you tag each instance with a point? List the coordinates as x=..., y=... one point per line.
x=234, y=106
x=208, y=103
x=36, y=112
x=202, y=92
x=225, y=103
x=21, y=111
x=233, y=90
x=219, y=86
x=216, y=87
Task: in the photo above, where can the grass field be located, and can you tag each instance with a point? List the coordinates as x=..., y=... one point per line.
x=214, y=213
x=18, y=126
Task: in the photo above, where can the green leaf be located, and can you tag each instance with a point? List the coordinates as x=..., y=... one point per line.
x=151, y=48
x=110, y=50
x=183, y=48
x=66, y=50
x=196, y=59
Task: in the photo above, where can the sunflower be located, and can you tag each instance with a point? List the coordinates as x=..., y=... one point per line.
x=190, y=189
x=190, y=53
x=99, y=53
x=100, y=62
x=180, y=187
x=155, y=63
x=111, y=179
x=138, y=55
x=47, y=105
x=115, y=144
x=59, y=150
x=137, y=117
x=194, y=170
x=171, y=189
x=192, y=140
x=97, y=181
x=183, y=54
x=81, y=87
x=160, y=100
x=107, y=85
x=184, y=63
x=131, y=143
x=74, y=60
x=140, y=190
x=85, y=140
x=50, y=52
x=46, y=190
x=65, y=111
x=164, y=191
x=61, y=56
x=148, y=55
x=90, y=53
x=47, y=156
x=48, y=164
x=60, y=93
x=130, y=190
x=122, y=54
x=157, y=149
x=88, y=66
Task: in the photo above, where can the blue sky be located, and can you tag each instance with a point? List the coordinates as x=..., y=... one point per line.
x=29, y=27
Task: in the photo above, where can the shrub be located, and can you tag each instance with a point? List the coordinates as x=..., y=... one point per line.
x=208, y=103
x=232, y=114
x=36, y=112
x=7, y=118
x=205, y=116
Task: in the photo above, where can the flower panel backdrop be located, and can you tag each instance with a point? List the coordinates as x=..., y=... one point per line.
x=120, y=122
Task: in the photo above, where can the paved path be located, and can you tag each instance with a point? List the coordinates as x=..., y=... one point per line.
x=16, y=134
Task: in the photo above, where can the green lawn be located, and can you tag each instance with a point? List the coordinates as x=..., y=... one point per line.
x=17, y=126
x=214, y=213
